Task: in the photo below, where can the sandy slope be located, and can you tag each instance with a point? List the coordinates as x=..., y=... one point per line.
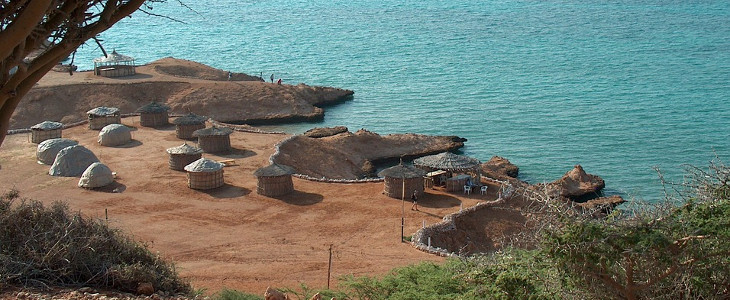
x=231, y=236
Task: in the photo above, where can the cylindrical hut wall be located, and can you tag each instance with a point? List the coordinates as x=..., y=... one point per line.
x=394, y=187
x=98, y=122
x=179, y=161
x=153, y=119
x=37, y=136
x=275, y=185
x=205, y=180
x=185, y=131
x=215, y=143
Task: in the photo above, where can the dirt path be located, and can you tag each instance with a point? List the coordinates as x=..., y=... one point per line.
x=231, y=236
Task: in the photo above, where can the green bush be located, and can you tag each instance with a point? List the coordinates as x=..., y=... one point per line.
x=52, y=246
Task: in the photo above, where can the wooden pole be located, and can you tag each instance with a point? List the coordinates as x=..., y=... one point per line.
x=403, y=210
x=329, y=268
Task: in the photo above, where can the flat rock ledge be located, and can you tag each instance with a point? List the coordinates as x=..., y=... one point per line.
x=346, y=156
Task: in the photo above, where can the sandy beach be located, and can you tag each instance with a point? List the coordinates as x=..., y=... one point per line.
x=231, y=236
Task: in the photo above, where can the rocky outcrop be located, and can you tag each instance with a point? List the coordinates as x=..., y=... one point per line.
x=320, y=132
x=182, y=85
x=500, y=168
x=601, y=206
x=577, y=185
x=343, y=156
x=274, y=294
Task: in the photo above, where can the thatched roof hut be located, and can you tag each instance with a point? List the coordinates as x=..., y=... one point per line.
x=204, y=174
x=400, y=176
x=214, y=139
x=96, y=175
x=447, y=161
x=114, y=135
x=187, y=124
x=102, y=116
x=183, y=155
x=274, y=180
x=153, y=114
x=114, y=65
x=44, y=131
x=72, y=161
x=48, y=149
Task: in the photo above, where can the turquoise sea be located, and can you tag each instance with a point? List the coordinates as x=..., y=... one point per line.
x=617, y=86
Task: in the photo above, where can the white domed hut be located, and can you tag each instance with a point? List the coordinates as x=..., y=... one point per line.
x=186, y=125
x=96, y=175
x=48, y=149
x=45, y=130
x=114, y=65
x=153, y=114
x=102, y=116
x=183, y=155
x=214, y=139
x=204, y=174
x=274, y=180
x=402, y=176
x=72, y=161
x=114, y=135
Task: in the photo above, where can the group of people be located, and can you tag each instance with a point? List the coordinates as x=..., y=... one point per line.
x=272, y=79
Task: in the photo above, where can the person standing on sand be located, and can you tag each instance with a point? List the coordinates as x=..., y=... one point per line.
x=414, y=198
x=272, y=77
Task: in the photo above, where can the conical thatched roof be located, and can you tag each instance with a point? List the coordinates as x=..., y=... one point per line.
x=204, y=165
x=402, y=171
x=103, y=111
x=153, y=107
x=184, y=149
x=113, y=57
x=96, y=175
x=447, y=161
x=190, y=119
x=274, y=170
x=48, y=149
x=213, y=131
x=47, y=125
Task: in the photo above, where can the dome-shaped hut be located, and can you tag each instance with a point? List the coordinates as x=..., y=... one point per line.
x=402, y=176
x=114, y=65
x=214, y=139
x=72, y=161
x=45, y=130
x=114, y=135
x=153, y=114
x=48, y=149
x=96, y=175
x=274, y=180
x=183, y=155
x=187, y=124
x=204, y=174
x=102, y=116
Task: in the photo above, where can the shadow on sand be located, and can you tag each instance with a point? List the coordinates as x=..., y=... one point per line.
x=237, y=153
x=437, y=201
x=300, y=198
x=227, y=191
x=114, y=187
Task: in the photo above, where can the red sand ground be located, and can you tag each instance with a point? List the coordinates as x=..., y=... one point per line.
x=231, y=236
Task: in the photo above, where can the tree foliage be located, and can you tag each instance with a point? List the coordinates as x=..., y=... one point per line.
x=677, y=250
x=38, y=34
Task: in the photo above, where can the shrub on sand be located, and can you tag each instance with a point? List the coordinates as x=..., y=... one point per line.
x=53, y=246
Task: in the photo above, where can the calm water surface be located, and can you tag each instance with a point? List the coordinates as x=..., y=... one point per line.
x=618, y=86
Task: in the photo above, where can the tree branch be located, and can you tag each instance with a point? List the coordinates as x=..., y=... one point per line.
x=22, y=25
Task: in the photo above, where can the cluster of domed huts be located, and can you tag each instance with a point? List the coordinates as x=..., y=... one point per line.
x=67, y=158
